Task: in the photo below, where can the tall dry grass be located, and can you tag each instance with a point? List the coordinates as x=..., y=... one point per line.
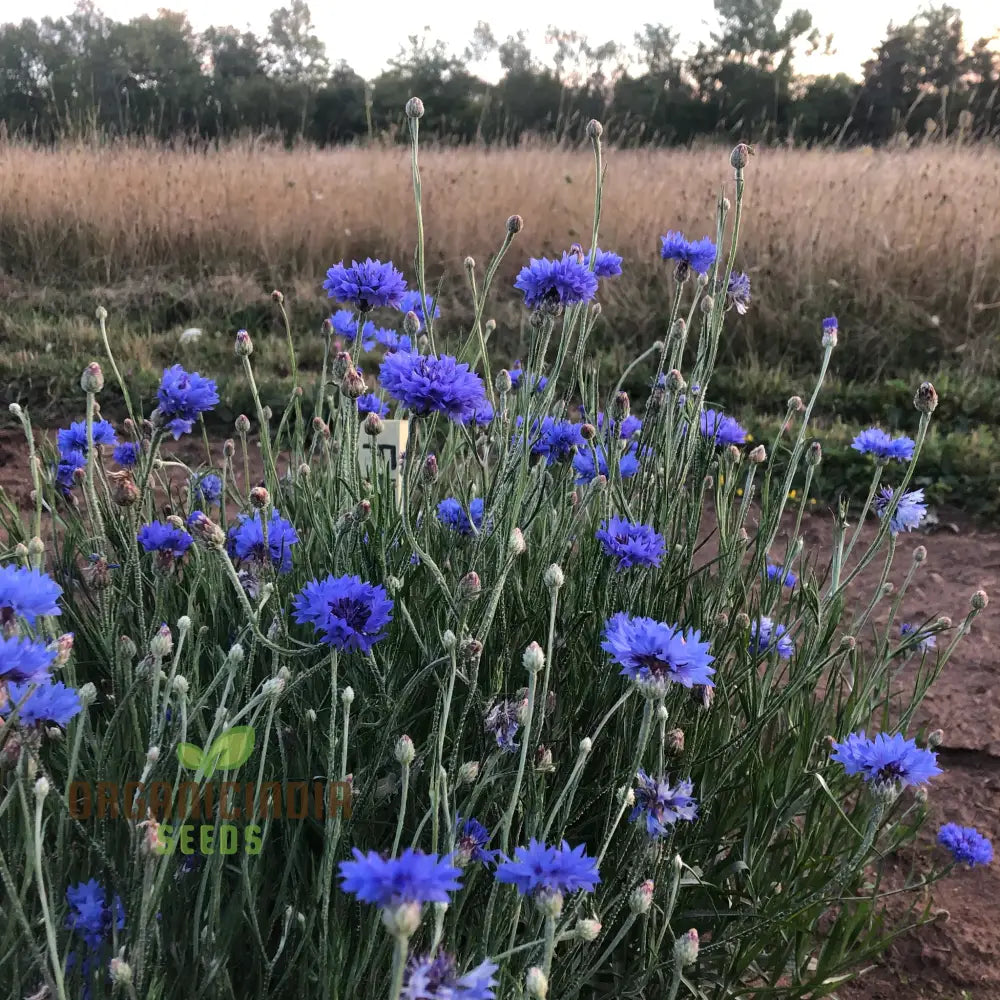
x=903, y=245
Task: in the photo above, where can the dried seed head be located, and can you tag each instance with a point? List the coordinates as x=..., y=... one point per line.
x=124, y=491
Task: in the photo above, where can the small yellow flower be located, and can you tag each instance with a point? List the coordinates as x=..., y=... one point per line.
x=812, y=500
x=722, y=480
x=793, y=494
x=739, y=491
x=749, y=437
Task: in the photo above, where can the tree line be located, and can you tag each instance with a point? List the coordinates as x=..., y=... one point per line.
x=156, y=78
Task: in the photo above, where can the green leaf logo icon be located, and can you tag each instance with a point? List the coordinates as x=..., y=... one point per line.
x=189, y=755
x=231, y=750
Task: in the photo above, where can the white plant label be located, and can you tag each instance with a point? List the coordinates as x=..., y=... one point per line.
x=388, y=447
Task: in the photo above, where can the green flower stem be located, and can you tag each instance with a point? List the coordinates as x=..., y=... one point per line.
x=399, y=947
x=401, y=816
x=550, y=945
x=508, y=816
x=50, y=931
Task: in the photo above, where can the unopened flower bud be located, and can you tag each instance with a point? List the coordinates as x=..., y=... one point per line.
x=162, y=644
x=429, y=473
x=533, y=659
x=740, y=156
x=703, y=696
x=536, y=984
x=373, y=425
x=405, y=751
x=127, y=648
x=120, y=971
x=553, y=577
x=919, y=554
x=468, y=772
x=503, y=382
x=686, y=948
x=259, y=497
x=304, y=471
x=353, y=383
x=830, y=331
x=414, y=108
x=153, y=755
x=63, y=647
x=674, y=742
x=516, y=544
x=340, y=365
x=926, y=398
x=742, y=621
x=42, y=787
x=206, y=531
x=641, y=898
x=242, y=425
x=244, y=345
x=182, y=687
x=661, y=713
x=543, y=760
x=588, y=432
x=124, y=492
x=935, y=738
x=470, y=586
x=470, y=650
x=848, y=643
x=943, y=623
x=674, y=381
x=515, y=224
x=402, y=919
x=347, y=695
x=594, y=129
x=229, y=447
x=815, y=454
x=979, y=600
x=620, y=406
x=795, y=404
x=311, y=715
x=92, y=379
x=587, y=929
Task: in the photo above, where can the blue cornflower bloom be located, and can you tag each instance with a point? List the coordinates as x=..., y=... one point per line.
x=784, y=576
x=471, y=842
x=484, y=414
x=368, y=336
x=663, y=804
x=875, y=441
x=65, y=471
x=183, y=397
x=536, y=383
x=435, y=977
x=344, y=323
x=628, y=428
x=164, y=538
x=246, y=540
x=537, y=869
x=127, y=454
x=583, y=462
x=450, y=512
x=367, y=285
x=910, y=510
x=631, y=544
x=738, y=292
x=24, y=660
x=413, y=301
x=50, y=702
x=350, y=614
x=926, y=642
x=653, y=654
x=370, y=403
x=501, y=721
x=393, y=341
x=74, y=437
x=27, y=593
x=413, y=877
x=767, y=637
x=427, y=384
x=606, y=263
x=691, y=255
x=830, y=324
x=90, y=916
x=552, y=284
x=886, y=759
x=555, y=439
x=207, y=489
x=967, y=845
x=721, y=429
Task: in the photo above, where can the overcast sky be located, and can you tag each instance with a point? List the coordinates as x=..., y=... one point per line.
x=366, y=34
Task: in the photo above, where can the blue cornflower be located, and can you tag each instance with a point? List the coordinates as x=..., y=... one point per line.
x=27, y=593
x=501, y=721
x=738, y=292
x=910, y=510
x=413, y=301
x=653, y=654
x=779, y=573
x=435, y=977
x=368, y=335
x=967, y=845
x=471, y=840
x=65, y=471
x=767, y=637
x=393, y=341
x=165, y=539
x=631, y=544
x=370, y=403
x=537, y=869
x=696, y=255
x=51, y=702
x=413, y=877
x=207, y=489
x=74, y=437
x=127, y=454
x=628, y=428
x=886, y=759
x=246, y=540
x=663, y=804
x=24, y=660
x=552, y=284
x=583, y=462
x=875, y=441
x=344, y=323
x=484, y=414
x=428, y=384
x=830, y=324
x=606, y=263
x=90, y=916
x=450, y=512
x=555, y=439
x=350, y=614
x=183, y=397
x=925, y=643
x=366, y=286
x=721, y=429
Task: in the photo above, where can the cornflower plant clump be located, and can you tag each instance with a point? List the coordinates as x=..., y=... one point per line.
x=461, y=705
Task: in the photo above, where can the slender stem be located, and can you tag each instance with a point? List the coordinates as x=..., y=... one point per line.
x=508, y=816
x=404, y=794
x=398, y=966
x=50, y=931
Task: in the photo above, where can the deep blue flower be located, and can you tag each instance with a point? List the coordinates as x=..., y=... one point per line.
x=246, y=540
x=90, y=916
x=875, y=441
x=65, y=471
x=628, y=428
x=967, y=845
x=555, y=439
x=393, y=341
x=926, y=642
x=127, y=454
x=471, y=842
x=50, y=702
x=886, y=759
x=583, y=462
x=696, y=255
x=631, y=544
x=74, y=437
x=368, y=336
x=183, y=397
x=738, y=292
x=663, y=804
x=159, y=536
x=350, y=614
x=27, y=593
x=830, y=324
x=344, y=323
x=484, y=414
x=768, y=637
x=24, y=660
x=654, y=654
x=501, y=721
x=450, y=512
x=370, y=403
x=413, y=301
x=207, y=489
x=536, y=383
x=539, y=869
x=555, y=283
x=784, y=576
x=367, y=285
x=721, y=429
x=910, y=510
x=413, y=877
x=435, y=977
x=606, y=263
x=427, y=384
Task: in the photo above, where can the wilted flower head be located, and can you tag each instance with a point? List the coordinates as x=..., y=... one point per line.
x=429, y=384
x=909, y=512
x=886, y=759
x=183, y=397
x=501, y=721
x=552, y=284
x=661, y=804
x=738, y=292
x=366, y=286
x=966, y=844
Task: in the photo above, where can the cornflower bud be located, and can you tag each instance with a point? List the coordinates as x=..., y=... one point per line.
x=242, y=425
x=641, y=898
x=621, y=407
x=127, y=648
x=758, y=455
x=594, y=129
x=795, y=403
x=516, y=544
x=536, y=984
x=347, y=695
x=153, y=755
x=120, y=971
x=353, y=383
x=341, y=363
x=182, y=687
x=919, y=554
x=830, y=332
x=229, y=448
x=63, y=647
x=848, y=643
x=740, y=156
x=42, y=787
x=470, y=650
x=259, y=497
x=470, y=586
x=586, y=745
x=405, y=751
x=587, y=929
x=244, y=345
x=468, y=772
x=206, y=531
x=979, y=600
x=411, y=324
x=733, y=453
x=815, y=454
x=588, y=432
x=373, y=425
x=742, y=621
x=686, y=948
x=674, y=742
x=162, y=644
x=304, y=470
x=935, y=738
x=414, y=108
x=926, y=398
x=402, y=919
x=503, y=382
x=429, y=473
x=533, y=659
x=543, y=760
x=92, y=379
x=515, y=224
x=553, y=577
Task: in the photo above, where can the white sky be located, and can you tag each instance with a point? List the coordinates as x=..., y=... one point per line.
x=366, y=34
